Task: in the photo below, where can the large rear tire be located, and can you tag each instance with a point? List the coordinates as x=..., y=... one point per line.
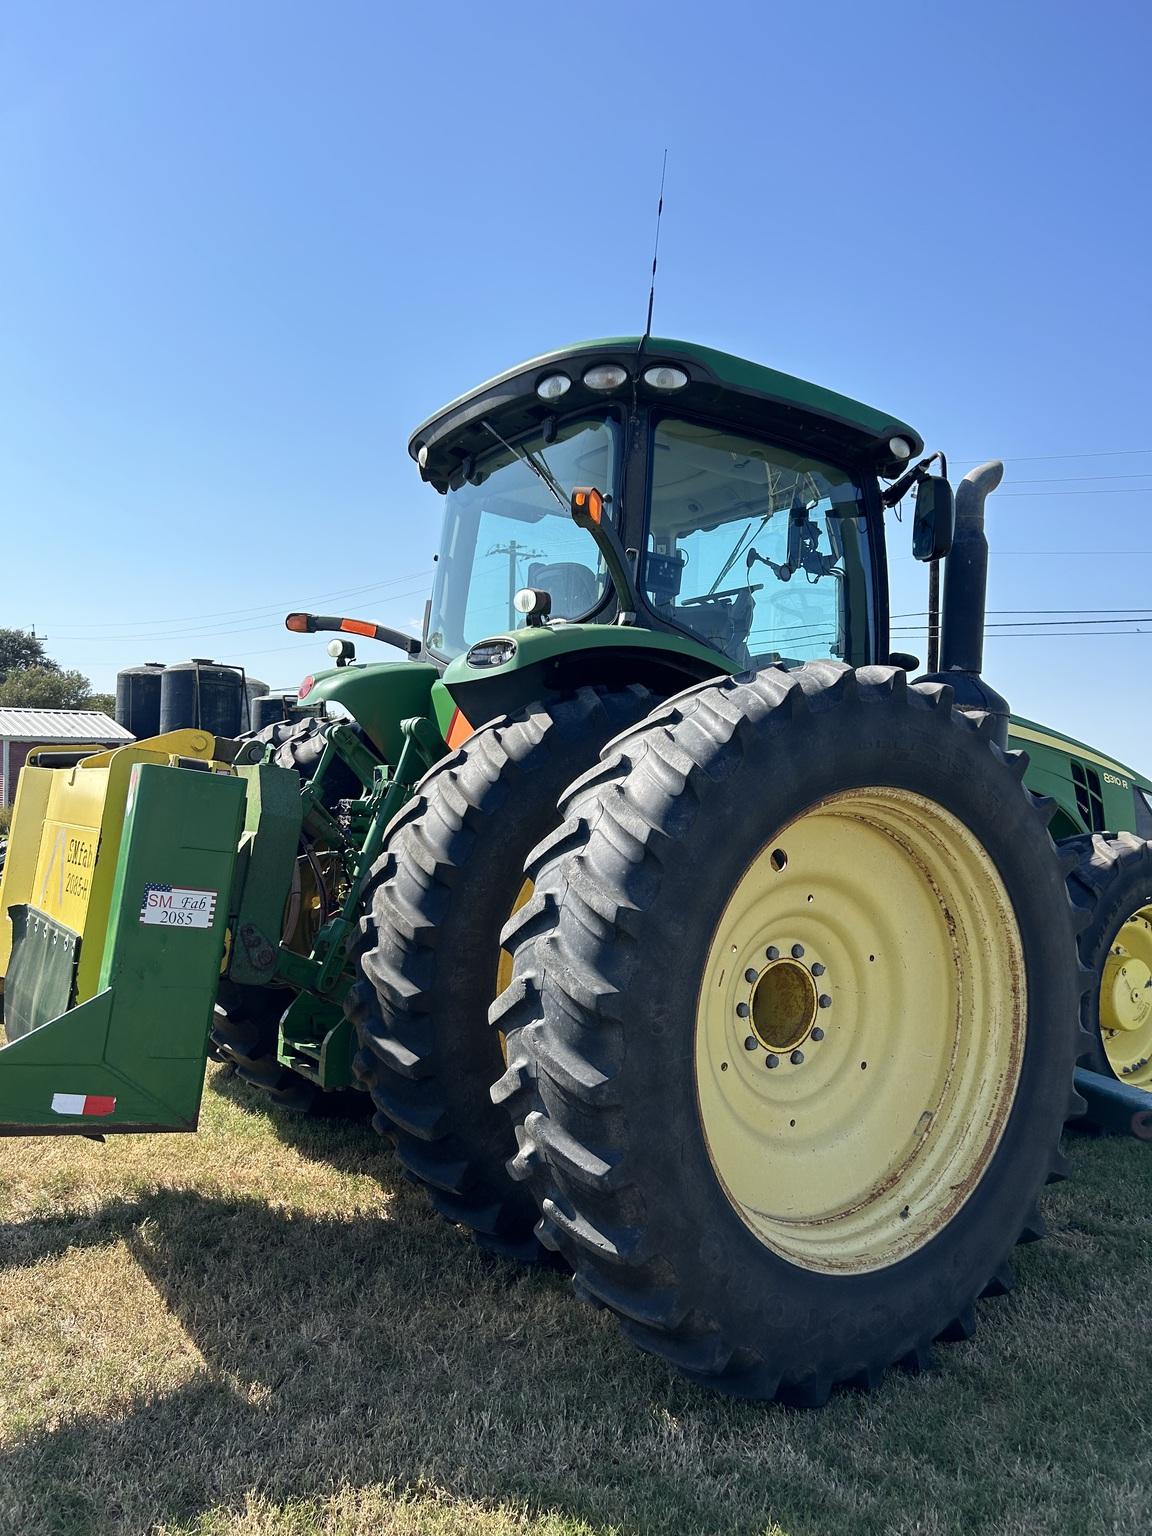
x=1113, y=878
x=792, y=1026
x=451, y=874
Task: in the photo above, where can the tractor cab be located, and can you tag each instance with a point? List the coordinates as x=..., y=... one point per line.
x=747, y=504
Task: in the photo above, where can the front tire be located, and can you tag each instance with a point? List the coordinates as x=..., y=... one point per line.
x=451, y=874
x=791, y=1028
x=1113, y=878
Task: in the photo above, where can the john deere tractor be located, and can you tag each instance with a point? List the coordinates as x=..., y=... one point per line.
x=670, y=927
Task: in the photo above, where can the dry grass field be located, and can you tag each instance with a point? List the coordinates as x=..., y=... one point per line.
x=263, y=1330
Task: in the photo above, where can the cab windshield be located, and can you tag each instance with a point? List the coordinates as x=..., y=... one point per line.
x=760, y=552
x=503, y=530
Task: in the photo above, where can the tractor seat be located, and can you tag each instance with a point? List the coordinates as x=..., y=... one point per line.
x=723, y=624
x=573, y=588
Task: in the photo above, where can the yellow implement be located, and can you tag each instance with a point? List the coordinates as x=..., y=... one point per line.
x=66, y=830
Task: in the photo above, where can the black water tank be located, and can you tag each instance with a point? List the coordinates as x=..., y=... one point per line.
x=269, y=709
x=203, y=694
x=255, y=690
x=138, y=699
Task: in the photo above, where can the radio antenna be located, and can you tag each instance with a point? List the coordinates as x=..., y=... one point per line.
x=655, y=254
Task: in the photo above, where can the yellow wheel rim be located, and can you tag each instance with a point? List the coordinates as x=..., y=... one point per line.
x=859, y=1030
x=504, y=963
x=1126, y=1001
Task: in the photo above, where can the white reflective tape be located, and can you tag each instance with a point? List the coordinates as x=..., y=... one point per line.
x=68, y=1103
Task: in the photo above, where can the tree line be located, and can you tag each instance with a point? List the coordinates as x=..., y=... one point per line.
x=30, y=679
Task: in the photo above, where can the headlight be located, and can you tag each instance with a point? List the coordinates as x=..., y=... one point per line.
x=664, y=377
x=606, y=376
x=491, y=653
x=555, y=385
x=532, y=601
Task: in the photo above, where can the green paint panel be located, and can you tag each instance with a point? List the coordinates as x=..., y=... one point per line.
x=443, y=707
x=534, y=646
x=272, y=816
x=1094, y=791
x=378, y=696
x=140, y=1044
x=550, y=661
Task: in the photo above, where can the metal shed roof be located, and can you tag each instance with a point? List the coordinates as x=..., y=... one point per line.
x=49, y=726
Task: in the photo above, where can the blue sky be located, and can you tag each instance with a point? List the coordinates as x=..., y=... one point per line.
x=248, y=246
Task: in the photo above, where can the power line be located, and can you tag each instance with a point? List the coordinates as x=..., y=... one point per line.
x=1141, y=474
x=1037, y=634
x=227, y=613
x=1107, y=490
x=1116, y=613
x=214, y=630
x=1071, y=554
x=1064, y=623
x=1038, y=458
x=1076, y=554
x=1117, y=616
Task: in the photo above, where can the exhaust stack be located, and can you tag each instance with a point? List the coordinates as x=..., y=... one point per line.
x=965, y=597
x=966, y=573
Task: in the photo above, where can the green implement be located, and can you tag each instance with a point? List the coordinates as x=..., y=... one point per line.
x=131, y=1056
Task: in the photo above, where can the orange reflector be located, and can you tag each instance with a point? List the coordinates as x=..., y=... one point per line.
x=298, y=623
x=358, y=627
x=459, y=730
x=589, y=501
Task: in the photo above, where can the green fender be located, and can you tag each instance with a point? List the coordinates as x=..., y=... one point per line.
x=555, y=660
x=378, y=695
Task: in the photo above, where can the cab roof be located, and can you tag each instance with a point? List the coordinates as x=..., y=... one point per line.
x=746, y=395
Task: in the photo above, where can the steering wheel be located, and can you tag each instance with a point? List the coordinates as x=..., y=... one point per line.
x=711, y=597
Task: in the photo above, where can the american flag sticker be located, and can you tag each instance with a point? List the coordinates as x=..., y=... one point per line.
x=174, y=906
x=83, y=1104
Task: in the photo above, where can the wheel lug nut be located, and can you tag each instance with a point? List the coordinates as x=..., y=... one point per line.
x=742, y=1010
x=750, y=975
x=817, y=1034
x=797, y=951
x=825, y=1000
x=751, y=1043
x=796, y=1058
x=772, y=953
x=771, y=1061
x=818, y=969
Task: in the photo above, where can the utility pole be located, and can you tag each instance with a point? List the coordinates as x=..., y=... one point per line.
x=514, y=552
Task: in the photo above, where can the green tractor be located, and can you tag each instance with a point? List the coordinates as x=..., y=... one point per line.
x=665, y=923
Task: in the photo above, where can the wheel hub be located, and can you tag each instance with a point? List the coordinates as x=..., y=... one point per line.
x=1131, y=995
x=784, y=1005
x=1126, y=1001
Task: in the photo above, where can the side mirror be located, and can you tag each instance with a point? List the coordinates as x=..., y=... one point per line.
x=587, y=509
x=935, y=520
